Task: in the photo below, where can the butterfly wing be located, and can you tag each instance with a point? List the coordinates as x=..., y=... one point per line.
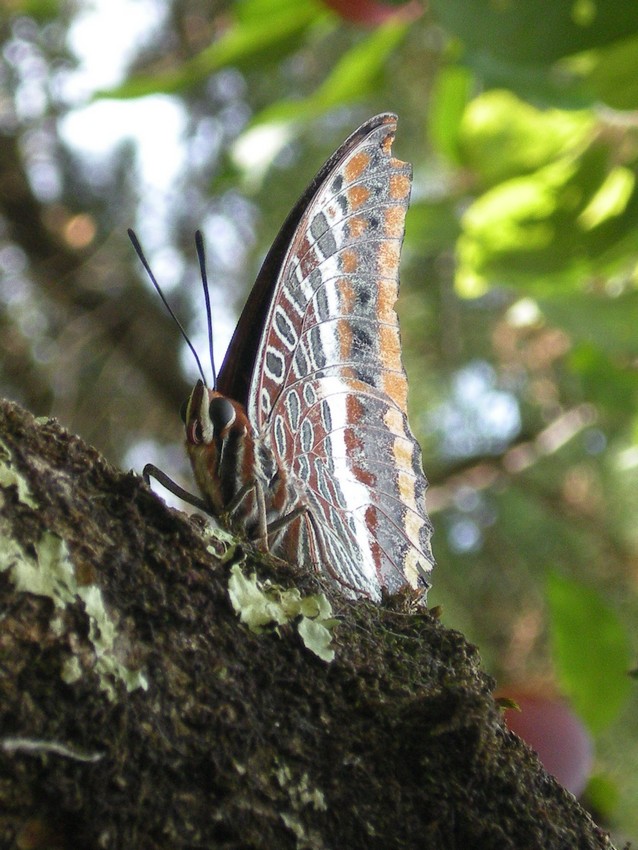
x=238, y=367
x=327, y=385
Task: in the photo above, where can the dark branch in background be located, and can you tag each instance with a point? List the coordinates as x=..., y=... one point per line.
x=481, y=472
x=511, y=468
x=129, y=320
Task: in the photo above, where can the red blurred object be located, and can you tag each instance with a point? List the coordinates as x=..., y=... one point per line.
x=373, y=14
x=558, y=736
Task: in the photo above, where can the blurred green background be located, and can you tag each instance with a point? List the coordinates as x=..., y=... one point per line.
x=519, y=302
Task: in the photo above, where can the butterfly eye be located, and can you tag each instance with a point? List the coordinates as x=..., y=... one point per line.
x=184, y=410
x=194, y=432
x=222, y=414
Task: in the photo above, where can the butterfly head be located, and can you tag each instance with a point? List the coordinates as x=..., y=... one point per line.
x=209, y=416
x=218, y=438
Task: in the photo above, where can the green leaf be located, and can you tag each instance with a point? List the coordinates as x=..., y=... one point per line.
x=610, y=73
x=610, y=384
x=270, y=23
x=590, y=649
x=562, y=225
x=41, y=10
x=432, y=225
x=602, y=795
x=606, y=323
x=352, y=77
x=536, y=32
x=448, y=102
x=502, y=137
x=580, y=54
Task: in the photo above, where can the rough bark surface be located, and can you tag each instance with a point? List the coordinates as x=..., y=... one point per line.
x=137, y=711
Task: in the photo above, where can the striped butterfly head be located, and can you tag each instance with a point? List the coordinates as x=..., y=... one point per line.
x=208, y=416
x=218, y=439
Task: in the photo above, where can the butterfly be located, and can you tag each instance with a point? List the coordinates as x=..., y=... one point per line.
x=303, y=443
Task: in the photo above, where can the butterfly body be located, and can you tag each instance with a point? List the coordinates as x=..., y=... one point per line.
x=304, y=443
x=233, y=466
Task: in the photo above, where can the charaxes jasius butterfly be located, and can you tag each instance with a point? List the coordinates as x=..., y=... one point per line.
x=304, y=443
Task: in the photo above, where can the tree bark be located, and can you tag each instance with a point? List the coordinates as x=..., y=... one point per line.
x=137, y=711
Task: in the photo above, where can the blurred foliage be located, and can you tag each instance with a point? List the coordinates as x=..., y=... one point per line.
x=519, y=303
x=590, y=650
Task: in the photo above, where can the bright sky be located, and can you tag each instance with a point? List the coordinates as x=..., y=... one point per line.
x=104, y=47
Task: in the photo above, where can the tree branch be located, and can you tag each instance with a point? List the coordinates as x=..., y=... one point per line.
x=137, y=711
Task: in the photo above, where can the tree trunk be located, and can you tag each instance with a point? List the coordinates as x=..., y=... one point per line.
x=138, y=711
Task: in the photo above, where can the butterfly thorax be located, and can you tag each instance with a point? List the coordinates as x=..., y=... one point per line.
x=233, y=467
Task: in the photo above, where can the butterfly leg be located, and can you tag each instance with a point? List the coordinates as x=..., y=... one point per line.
x=152, y=471
x=316, y=543
x=238, y=498
x=264, y=528
x=285, y=520
x=262, y=525
x=261, y=537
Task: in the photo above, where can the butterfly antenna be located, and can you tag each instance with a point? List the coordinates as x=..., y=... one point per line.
x=201, y=256
x=140, y=254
